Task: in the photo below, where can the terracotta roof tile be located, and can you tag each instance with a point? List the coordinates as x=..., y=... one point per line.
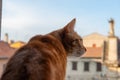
x=93, y=52
x=6, y=50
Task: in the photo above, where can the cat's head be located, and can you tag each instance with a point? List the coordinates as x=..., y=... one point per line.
x=73, y=43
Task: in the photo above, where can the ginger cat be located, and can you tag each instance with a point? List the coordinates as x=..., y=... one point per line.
x=44, y=56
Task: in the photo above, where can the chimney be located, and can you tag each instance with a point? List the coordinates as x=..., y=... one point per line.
x=111, y=32
x=6, y=37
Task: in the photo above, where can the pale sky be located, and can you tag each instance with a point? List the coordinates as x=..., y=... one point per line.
x=22, y=19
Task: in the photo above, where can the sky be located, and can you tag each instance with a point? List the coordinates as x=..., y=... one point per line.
x=23, y=19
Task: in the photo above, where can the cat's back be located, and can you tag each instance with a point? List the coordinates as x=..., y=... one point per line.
x=52, y=56
x=46, y=42
x=39, y=58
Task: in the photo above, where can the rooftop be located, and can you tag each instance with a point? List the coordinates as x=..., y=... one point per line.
x=93, y=52
x=5, y=50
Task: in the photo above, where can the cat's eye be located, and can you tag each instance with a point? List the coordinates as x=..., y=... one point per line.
x=75, y=40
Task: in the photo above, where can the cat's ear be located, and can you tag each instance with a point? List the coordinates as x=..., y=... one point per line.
x=70, y=26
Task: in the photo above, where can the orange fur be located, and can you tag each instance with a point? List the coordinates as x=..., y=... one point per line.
x=44, y=56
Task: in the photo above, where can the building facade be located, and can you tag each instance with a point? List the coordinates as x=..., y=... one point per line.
x=89, y=66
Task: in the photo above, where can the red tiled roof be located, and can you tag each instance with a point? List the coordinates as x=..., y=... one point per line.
x=6, y=50
x=93, y=52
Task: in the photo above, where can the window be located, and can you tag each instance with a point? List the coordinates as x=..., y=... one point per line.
x=98, y=67
x=86, y=66
x=74, y=65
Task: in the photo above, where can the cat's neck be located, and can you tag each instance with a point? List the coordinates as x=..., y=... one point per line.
x=58, y=34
